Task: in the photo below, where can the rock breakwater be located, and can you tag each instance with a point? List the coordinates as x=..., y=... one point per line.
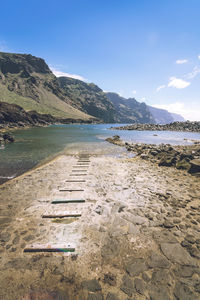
x=180, y=157
x=175, y=126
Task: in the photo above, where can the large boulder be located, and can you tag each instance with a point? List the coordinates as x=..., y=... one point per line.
x=195, y=166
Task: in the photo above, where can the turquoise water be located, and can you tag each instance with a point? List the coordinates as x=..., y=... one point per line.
x=34, y=145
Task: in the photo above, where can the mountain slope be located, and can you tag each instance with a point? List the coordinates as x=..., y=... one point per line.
x=162, y=116
x=89, y=98
x=27, y=81
x=130, y=110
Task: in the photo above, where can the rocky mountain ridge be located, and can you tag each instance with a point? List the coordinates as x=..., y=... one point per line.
x=27, y=81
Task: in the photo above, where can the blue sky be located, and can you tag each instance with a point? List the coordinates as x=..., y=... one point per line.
x=147, y=49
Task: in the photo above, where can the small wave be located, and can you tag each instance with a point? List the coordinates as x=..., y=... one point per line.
x=8, y=177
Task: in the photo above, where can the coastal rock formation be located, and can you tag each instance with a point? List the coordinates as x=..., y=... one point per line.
x=175, y=126
x=6, y=138
x=180, y=157
x=12, y=115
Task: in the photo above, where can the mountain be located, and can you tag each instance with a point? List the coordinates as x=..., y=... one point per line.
x=27, y=81
x=177, y=118
x=89, y=98
x=130, y=110
x=162, y=116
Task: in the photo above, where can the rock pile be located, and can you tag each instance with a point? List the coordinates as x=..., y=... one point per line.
x=175, y=126
x=6, y=138
x=180, y=157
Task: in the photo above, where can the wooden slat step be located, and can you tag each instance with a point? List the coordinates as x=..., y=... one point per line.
x=83, y=161
x=48, y=249
x=78, y=174
x=58, y=201
x=70, y=190
x=64, y=215
x=79, y=170
x=75, y=180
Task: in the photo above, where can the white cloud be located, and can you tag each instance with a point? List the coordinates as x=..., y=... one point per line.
x=181, y=61
x=189, y=112
x=58, y=73
x=134, y=92
x=143, y=99
x=160, y=87
x=194, y=73
x=178, y=83
x=199, y=56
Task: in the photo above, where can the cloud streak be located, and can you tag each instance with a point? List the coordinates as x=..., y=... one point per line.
x=58, y=73
x=181, y=61
x=178, y=83
x=160, y=87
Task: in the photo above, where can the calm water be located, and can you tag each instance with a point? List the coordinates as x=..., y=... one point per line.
x=34, y=145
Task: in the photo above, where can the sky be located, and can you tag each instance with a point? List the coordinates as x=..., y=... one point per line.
x=146, y=49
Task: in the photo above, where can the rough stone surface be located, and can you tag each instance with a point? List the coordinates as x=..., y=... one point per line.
x=177, y=254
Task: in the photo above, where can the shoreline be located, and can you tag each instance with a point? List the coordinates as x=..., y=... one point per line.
x=187, y=126
x=138, y=235
x=182, y=157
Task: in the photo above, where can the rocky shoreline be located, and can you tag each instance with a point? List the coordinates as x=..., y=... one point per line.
x=175, y=126
x=13, y=116
x=138, y=236
x=181, y=157
x=6, y=138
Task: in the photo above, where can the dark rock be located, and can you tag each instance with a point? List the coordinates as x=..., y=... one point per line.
x=183, y=292
x=98, y=296
x=195, y=166
x=111, y=296
x=190, y=238
x=177, y=254
x=139, y=286
x=168, y=224
x=136, y=266
x=184, y=271
x=109, y=279
x=161, y=277
x=127, y=286
x=4, y=237
x=158, y=261
x=159, y=292
x=91, y=285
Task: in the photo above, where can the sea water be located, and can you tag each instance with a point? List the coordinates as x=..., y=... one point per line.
x=35, y=145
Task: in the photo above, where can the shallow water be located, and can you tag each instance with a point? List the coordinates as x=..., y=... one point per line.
x=34, y=145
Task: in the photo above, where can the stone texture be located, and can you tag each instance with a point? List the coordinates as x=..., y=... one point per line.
x=136, y=266
x=177, y=254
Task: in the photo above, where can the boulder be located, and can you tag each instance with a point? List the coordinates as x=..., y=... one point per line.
x=195, y=166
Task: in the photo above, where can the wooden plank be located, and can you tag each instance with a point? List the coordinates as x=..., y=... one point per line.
x=83, y=160
x=75, y=180
x=59, y=201
x=78, y=174
x=47, y=249
x=66, y=215
x=70, y=190
x=79, y=170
